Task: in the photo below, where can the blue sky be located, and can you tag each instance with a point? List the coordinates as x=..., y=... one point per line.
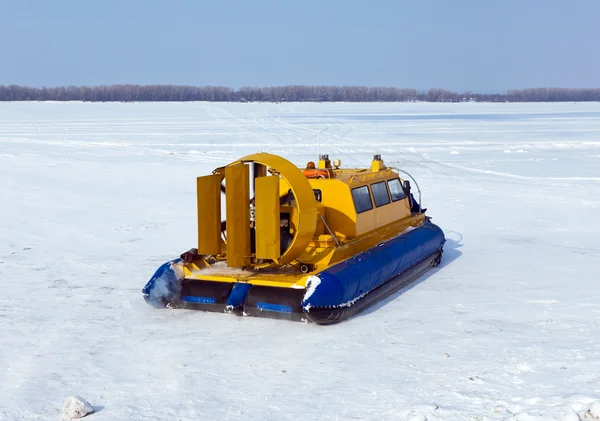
x=478, y=45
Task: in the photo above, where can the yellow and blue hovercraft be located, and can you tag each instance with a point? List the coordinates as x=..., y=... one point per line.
x=316, y=244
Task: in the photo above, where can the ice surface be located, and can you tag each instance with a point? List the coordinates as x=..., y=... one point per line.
x=95, y=197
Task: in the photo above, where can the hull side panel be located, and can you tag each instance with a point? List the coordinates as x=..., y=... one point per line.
x=348, y=281
x=331, y=315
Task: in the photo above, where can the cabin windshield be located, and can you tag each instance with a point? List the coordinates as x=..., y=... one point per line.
x=362, y=199
x=380, y=194
x=396, y=190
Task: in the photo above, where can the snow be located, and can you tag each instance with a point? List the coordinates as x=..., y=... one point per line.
x=311, y=286
x=95, y=197
x=595, y=409
x=76, y=407
x=415, y=416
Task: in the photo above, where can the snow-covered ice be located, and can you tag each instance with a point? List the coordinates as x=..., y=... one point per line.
x=95, y=197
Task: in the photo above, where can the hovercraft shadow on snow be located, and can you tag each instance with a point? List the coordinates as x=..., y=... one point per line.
x=451, y=253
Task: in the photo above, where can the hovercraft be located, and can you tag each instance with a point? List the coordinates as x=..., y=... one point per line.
x=318, y=244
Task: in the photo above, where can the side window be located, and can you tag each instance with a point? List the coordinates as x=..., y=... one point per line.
x=362, y=199
x=396, y=190
x=318, y=194
x=380, y=194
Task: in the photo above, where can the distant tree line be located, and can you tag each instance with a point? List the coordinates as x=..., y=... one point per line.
x=135, y=93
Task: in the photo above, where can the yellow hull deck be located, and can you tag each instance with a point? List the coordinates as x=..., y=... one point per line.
x=275, y=279
x=289, y=276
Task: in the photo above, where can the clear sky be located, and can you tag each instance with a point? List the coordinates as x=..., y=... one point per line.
x=478, y=45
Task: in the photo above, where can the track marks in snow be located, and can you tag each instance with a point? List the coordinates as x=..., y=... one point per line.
x=515, y=176
x=210, y=132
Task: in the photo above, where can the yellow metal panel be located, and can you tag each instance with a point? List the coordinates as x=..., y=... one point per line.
x=281, y=280
x=267, y=218
x=377, y=165
x=303, y=197
x=324, y=163
x=339, y=213
x=237, y=199
x=208, y=190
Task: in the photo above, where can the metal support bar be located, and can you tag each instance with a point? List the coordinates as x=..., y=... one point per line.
x=416, y=184
x=329, y=230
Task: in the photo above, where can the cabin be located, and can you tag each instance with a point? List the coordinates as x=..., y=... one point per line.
x=355, y=201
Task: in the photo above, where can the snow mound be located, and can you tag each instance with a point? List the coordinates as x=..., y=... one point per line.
x=76, y=407
x=415, y=416
x=595, y=410
x=577, y=408
x=571, y=416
